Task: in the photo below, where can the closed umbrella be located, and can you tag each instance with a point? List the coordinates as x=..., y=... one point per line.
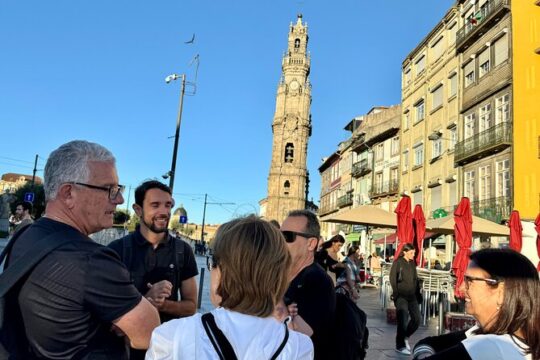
x=537, y=227
x=516, y=231
x=404, y=230
x=419, y=222
x=463, y=234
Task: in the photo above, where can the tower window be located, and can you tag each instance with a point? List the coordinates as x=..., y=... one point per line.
x=289, y=153
x=297, y=43
x=286, y=187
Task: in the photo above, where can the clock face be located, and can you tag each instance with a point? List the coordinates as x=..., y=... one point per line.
x=294, y=85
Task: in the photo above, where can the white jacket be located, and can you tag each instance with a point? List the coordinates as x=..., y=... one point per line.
x=251, y=337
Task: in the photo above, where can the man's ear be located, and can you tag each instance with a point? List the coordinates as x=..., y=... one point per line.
x=138, y=210
x=66, y=195
x=312, y=245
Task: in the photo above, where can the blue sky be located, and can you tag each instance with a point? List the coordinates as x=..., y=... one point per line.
x=95, y=70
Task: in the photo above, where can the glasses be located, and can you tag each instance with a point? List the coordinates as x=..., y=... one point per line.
x=113, y=190
x=211, y=263
x=290, y=236
x=469, y=279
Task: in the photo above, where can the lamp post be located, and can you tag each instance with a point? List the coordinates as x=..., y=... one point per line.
x=204, y=212
x=171, y=173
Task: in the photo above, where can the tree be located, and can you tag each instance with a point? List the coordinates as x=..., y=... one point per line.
x=133, y=222
x=38, y=205
x=121, y=216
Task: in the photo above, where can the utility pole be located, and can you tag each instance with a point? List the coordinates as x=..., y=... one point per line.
x=204, y=212
x=127, y=208
x=177, y=133
x=34, y=172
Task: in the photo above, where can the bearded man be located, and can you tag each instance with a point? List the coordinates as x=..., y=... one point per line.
x=162, y=267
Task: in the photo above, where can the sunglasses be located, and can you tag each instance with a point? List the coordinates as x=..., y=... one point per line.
x=290, y=236
x=469, y=279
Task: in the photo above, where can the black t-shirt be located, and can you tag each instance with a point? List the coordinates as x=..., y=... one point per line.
x=313, y=291
x=68, y=302
x=149, y=265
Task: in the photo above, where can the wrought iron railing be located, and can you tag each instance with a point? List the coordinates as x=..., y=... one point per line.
x=387, y=187
x=345, y=200
x=493, y=209
x=476, y=21
x=492, y=138
x=361, y=167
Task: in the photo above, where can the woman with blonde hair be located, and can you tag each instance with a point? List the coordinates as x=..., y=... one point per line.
x=248, y=278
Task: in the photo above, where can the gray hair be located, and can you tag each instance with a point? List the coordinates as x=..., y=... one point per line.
x=312, y=226
x=70, y=163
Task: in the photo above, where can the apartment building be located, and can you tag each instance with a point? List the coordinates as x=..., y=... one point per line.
x=429, y=118
x=499, y=144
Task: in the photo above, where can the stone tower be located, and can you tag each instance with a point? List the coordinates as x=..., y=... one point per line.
x=291, y=128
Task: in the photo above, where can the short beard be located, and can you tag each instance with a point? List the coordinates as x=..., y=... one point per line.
x=153, y=228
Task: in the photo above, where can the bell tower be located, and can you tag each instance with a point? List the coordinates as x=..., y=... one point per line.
x=291, y=129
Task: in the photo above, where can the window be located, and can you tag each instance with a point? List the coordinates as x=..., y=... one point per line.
x=394, y=146
x=485, y=182
x=501, y=50
x=420, y=65
x=485, y=117
x=379, y=152
x=289, y=153
x=437, y=148
x=452, y=33
x=286, y=187
x=453, y=138
x=406, y=119
x=469, y=126
x=405, y=161
x=436, y=97
x=502, y=179
x=378, y=182
x=453, y=85
x=437, y=49
x=407, y=77
x=469, y=185
x=296, y=43
x=483, y=61
x=436, y=194
x=394, y=179
x=420, y=111
x=502, y=109
x=418, y=154
x=469, y=73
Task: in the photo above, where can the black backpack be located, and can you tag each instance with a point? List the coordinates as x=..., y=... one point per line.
x=350, y=330
x=13, y=341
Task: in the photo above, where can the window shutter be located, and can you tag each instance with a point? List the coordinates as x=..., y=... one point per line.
x=501, y=50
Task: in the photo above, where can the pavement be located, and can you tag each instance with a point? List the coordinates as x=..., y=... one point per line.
x=381, y=334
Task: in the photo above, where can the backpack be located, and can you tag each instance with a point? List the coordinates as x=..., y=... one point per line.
x=127, y=257
x=350, y=329
x=13, y=341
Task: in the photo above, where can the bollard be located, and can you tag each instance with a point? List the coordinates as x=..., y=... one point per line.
x=201, y=283
x=441, y=314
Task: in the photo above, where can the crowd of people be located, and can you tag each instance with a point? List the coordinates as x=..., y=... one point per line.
x=278, y=289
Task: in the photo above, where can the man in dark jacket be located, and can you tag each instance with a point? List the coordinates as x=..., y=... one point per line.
x=404, y=281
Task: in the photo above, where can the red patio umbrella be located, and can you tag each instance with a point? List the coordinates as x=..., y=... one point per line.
x=516, y=231
x=537, y=227
x=419, y=222
x=404, y=230
x=463, y=234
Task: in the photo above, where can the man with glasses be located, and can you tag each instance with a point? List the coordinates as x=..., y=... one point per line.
x=311, y=288
x=78, y=301
x=161, y=265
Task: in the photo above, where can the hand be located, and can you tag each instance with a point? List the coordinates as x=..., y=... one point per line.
x=158, y=293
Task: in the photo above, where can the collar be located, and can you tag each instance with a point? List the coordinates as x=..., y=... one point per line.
x=141, y=240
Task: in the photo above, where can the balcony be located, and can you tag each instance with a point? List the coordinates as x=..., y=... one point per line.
x=493, y=209
x=484, y=18
x=487, y=142
x=345, y=200
x=385, y=188
x=361, y=168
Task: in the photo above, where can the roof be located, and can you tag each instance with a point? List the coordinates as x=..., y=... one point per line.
x=13, y=177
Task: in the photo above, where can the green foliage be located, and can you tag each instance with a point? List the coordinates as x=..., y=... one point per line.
x=121, y=216
x=133, y=222
x=39, y=198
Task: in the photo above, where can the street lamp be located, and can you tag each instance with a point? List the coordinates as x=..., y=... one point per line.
x=170, y=174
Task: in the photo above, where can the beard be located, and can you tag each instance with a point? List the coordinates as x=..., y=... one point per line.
x=155, y=228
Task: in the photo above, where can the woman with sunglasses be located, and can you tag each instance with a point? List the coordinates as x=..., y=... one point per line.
x=249, y=270
x=502, y=291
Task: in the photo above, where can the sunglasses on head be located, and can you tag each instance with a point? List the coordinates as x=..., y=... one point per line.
x=290, y=236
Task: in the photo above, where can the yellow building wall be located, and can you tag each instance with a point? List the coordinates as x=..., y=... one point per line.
x=526, y=107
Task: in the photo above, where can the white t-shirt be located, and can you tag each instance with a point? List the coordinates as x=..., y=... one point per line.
x=495, y=347
x=251, y=338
